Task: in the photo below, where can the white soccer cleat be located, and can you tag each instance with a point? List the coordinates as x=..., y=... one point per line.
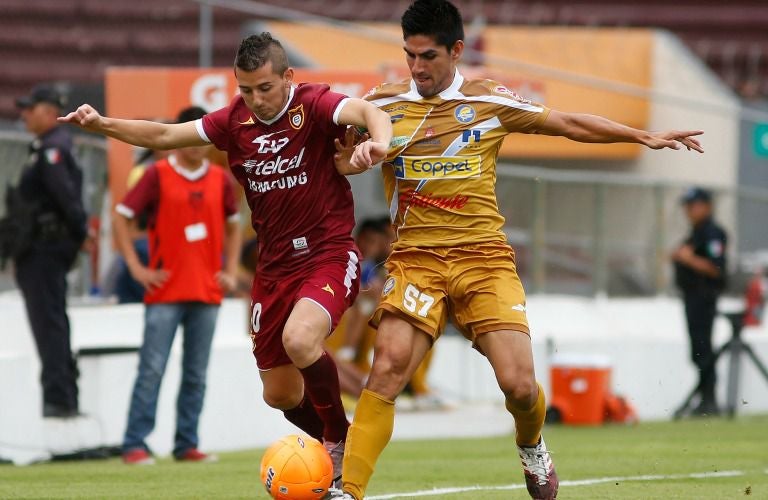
x=336, y=451
x=339, y=494
x=540, y=476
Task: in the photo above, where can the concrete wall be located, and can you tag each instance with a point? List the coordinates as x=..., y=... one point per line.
x=643, y=338
x=686, y=95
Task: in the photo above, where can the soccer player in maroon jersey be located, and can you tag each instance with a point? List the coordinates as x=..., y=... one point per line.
x=279, y=138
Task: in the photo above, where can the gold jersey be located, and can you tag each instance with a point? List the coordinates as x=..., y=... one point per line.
x=440, y=173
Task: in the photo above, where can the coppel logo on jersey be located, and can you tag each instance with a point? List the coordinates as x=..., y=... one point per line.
x=465, y=114
x=437, y=167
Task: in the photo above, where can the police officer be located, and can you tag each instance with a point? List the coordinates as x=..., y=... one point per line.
x=51, y=182
x=700, y=273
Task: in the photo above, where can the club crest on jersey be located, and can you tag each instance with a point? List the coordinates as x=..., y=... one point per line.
x=465, y=114
x=296, y=116
x=249, y=121
x=388, y=286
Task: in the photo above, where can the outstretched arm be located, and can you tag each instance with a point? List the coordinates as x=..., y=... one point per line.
x=591, y=128
x=364, y=114
x=142, y=133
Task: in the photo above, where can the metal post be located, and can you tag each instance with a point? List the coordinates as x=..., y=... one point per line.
x=205, y=59
x=539, y=235
x=659, y=255
x=734, y=368
x=600, y=271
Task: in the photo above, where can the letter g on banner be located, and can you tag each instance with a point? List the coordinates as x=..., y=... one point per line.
x=209, y=92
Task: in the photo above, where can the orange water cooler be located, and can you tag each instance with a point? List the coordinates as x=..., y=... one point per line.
x=581, y=389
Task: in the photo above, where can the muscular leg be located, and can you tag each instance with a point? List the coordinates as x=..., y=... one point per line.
x=303, y=336
x=284, y=390
x=398, y=350
x=304, y=333
x=511, y=357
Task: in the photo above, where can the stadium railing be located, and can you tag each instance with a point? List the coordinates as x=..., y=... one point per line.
x=574, y=232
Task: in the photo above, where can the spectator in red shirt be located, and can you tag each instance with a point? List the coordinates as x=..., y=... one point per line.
x=194, y=227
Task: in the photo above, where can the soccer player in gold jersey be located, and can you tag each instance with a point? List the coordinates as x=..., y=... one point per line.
x=451, y=258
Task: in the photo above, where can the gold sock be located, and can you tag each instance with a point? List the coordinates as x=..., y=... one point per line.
x=369, y=433
x=528, y=423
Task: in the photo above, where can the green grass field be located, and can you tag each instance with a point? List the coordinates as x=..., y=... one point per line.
x=655, y=449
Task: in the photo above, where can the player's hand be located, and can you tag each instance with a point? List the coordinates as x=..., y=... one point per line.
x=343, y=156
x=150, y=279
x=84, y=116
x=368, y=153
x=672, y=139
x=227, y=281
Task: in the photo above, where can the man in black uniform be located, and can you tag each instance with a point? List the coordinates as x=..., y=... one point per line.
x=700, y=272
x=51, y=182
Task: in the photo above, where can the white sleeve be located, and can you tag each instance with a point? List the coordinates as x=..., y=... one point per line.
x=125, y=211
x=201, y=130
x=339, y=107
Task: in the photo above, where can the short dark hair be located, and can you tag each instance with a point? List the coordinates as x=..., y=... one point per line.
x=371, y=225
x=256, y=50
x=190, y=114
x=438, y=18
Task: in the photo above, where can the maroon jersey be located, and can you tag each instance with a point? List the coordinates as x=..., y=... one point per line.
x=301, y=207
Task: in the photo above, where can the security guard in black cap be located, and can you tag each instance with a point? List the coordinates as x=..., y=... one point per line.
x=700, y=273
x=51, y=182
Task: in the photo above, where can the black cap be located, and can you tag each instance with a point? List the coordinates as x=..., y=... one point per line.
x=42, y=93
x=696, y=194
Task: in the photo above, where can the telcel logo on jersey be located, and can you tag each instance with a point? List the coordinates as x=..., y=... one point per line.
x=278, y=165
x=436, y=167
x=465, y=113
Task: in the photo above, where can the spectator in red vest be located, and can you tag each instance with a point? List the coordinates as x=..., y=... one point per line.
x=194, y=245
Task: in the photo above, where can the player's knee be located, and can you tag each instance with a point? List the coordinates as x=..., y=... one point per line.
x=388, y=373
x=282, y=400
x=520, y=392
x=299, y=341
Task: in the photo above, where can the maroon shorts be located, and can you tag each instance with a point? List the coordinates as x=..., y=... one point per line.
x=332, y=285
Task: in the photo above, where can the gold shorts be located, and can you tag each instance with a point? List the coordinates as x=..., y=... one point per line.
x=476, y=285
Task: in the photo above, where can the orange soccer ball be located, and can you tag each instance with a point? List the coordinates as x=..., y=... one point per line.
x=296, y=468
